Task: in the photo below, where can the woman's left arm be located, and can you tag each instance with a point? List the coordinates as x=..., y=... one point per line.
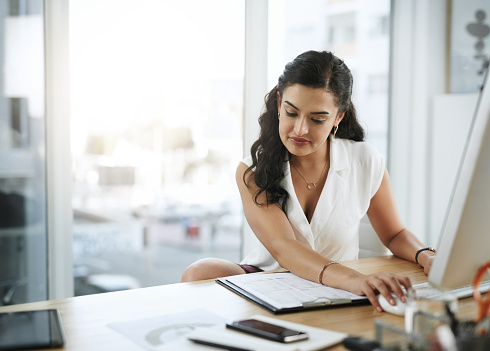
x=386, y=221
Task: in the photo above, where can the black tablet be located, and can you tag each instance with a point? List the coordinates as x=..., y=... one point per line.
x=31, y=329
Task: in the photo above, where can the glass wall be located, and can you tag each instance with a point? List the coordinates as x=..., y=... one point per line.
x=357, y=31
x=156, y=92
x=23, y=260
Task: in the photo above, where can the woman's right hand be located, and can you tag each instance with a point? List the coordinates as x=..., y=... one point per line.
x=381, y=283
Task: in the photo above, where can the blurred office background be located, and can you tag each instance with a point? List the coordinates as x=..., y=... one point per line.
x=157, y=108
x=122, y=123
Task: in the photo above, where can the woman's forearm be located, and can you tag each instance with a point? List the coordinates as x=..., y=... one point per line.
x=308, y=264
x=405, y=245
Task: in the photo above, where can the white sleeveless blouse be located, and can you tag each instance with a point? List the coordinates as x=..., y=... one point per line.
x=355, y=174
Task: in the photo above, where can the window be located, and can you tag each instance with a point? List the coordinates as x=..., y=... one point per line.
x=380, y=26
x=23, y=244
x=377, y=85
x=157, y=89
x=357, y=32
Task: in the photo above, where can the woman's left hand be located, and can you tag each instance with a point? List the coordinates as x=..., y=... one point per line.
x=427, y=263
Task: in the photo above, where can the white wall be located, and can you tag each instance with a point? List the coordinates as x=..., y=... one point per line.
x=450, y=126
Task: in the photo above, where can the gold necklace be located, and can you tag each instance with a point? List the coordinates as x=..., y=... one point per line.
x=309, y=185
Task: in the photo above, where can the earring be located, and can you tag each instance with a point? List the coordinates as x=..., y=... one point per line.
x=278, y=116
x=334, y=132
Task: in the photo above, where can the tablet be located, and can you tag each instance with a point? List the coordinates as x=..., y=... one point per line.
x=31, y=329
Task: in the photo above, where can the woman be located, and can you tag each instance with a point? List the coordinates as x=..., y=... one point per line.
x=309, y=181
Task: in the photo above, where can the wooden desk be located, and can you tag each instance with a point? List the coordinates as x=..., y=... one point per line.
x=85, y=318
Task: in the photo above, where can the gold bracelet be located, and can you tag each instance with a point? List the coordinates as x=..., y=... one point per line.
x=320, y=276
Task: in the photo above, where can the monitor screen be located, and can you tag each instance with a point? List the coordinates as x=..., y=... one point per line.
x=464, y=243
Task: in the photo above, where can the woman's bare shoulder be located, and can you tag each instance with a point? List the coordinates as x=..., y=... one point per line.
x=244, y=178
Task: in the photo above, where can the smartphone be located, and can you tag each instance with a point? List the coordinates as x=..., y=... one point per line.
x=267, y=330
x=31, y=329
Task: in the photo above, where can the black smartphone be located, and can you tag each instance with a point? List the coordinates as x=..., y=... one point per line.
x=31, y=329
x=267, y=330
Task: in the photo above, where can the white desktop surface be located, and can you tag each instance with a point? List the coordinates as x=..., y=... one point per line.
x=86, y=318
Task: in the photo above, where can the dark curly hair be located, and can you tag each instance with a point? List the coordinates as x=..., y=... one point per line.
x=312, y=69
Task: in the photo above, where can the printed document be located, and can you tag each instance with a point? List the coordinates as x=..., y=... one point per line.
x=285, y=290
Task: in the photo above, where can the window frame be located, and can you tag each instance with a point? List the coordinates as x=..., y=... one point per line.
x=58, y=158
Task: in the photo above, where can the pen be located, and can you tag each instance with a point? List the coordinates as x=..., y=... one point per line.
x=452, y=318
x=219, y=346
x=325, y=303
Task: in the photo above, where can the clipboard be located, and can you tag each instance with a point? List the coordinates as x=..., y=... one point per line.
x=267, y=289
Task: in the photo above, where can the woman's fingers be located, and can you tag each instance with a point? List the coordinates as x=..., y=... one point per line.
x=370, y=293
x=385, y=284
x=399, y=285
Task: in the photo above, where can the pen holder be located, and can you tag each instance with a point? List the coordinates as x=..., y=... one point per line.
x=433, y=305
x=440, y=334
x=395, y=339
x=432, y=332
x=429, y=326
x=467, y=338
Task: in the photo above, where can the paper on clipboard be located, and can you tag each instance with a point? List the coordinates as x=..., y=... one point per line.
x=286, y=292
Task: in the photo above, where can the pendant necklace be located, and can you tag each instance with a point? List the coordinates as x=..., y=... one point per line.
x=309, y=185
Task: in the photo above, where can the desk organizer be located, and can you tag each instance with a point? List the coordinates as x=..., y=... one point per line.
x=432, y=333
x=467, y=340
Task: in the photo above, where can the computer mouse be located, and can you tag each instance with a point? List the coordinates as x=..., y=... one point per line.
x=398, y=309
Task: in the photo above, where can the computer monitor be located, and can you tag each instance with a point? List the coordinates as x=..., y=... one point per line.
x=464, y=242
